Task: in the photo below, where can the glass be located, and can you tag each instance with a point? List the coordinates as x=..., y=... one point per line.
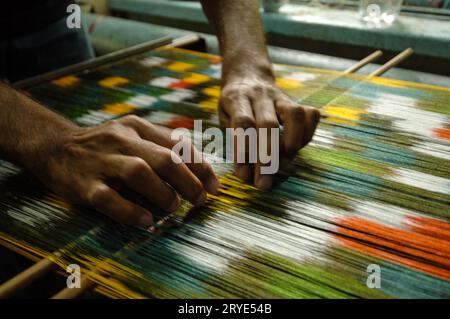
x=379, y=13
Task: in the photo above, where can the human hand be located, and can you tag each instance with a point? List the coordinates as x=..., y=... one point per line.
x=80, y=164
x=254, y=101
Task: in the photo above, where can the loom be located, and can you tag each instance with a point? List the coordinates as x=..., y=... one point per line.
x=372, y=188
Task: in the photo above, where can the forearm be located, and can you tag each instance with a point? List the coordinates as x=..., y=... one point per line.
x=79, y=163
x=241, y=37
x=27, y=128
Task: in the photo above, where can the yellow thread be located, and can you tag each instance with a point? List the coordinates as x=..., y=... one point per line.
x=21, y=248
x=118, y=108
x=384, y=81
x=196, y=78
x=58, y=202
x=66, y=81
x=209, y=105
x=213, y=91
x=287, y=84
x=405, y=84
x=343, y=115
x=180, y=66
x=113, y=81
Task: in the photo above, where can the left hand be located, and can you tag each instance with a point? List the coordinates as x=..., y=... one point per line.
x=253, y=101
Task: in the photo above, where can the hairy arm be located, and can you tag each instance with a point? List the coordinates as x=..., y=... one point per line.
x=27, y=127
x=79, y=163
x=249, y=96
x=241, y=38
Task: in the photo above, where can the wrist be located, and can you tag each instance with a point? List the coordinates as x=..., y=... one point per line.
x=242, y=67
x=43, y=149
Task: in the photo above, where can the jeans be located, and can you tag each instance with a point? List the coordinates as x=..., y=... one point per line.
x=39, y=52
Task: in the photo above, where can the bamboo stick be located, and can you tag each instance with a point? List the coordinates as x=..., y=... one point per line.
x=72, y=293
x=26, y=278
x=393, y=62
x=372, y=57
x=39, y=269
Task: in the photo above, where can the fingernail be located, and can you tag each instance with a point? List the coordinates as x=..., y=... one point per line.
x=145, y=221
x=212, y=186
x=175, y=205
x=264, y=182
x=200, y=199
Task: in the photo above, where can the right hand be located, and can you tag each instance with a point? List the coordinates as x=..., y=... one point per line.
x=81, y=162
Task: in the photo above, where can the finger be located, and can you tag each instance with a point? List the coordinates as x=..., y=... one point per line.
x=224, y=119
x=241, y=115
x=162, y=136
x=141, y=178
x=198, y=164
x=206, y=175
x=292, y=117
x=146, y=130
x=111, y=133
x=171, y=169
x=107, y=201
x=266, y=120
x=241, y=170
x=312, y=118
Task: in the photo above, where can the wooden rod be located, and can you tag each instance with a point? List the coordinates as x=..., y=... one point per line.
x=71, y=293
x=25, y=278
x=33, y=272
x=94, y=63
x=39, y=269
x=393, y=62
x=372, y=57
x=184, y=40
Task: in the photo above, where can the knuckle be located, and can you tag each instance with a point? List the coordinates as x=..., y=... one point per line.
x=233, y=87
x=113, y=136
x=98, y=195
x=244, y=121
x=230, y=91
x=76, y=151
x=268, y=123
x=137, y=168
x=112, y=124
x=258, y=89
x=133, y=119
x=231, y=96
x=168, y=160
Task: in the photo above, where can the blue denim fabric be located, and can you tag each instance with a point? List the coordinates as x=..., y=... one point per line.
x=38, y=52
